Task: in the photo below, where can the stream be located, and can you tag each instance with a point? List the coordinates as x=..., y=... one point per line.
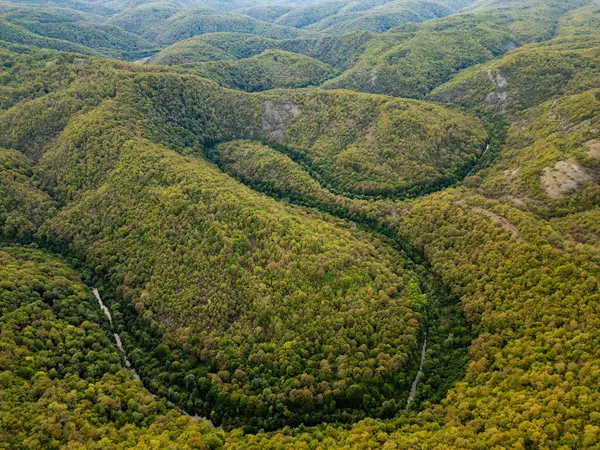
x=415, y=383
x=106, y=312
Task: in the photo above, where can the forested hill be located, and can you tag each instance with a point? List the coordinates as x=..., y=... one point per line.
x=367, y=224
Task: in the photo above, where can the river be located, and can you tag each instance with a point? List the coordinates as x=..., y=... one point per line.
x=415, y=383
x=106, y=312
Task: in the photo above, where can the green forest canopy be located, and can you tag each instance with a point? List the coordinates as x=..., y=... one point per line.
x=289, y=314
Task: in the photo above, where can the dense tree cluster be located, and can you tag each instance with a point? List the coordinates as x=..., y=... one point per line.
x=343, y=16
x=340, y=52
x=267, y=13
x=226, y=277
x=166, y=24
x=23, y=206
x=267, y=170
x=285, y=321
x=409, y=60
x=68, y=30
x=268, y=70
x=255, y=279
x=380, y=18
x=60, y=373
x=357, y=144
x=376, y=146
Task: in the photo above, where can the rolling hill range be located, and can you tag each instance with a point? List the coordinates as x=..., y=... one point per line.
x=408, y=61
x=279, y=230
x=104, y=135
x=165, y=24
x=341, y=16
x=61, y=29
x=128, y=33
x=340, y=52
x=375, y=16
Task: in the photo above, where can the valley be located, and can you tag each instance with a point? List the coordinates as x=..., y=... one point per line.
x=298, y=224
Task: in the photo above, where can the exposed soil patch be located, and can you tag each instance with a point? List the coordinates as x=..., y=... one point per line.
x=565, y=176
x=512, y=176
x=518, y=202
x=142, y=60
x=505, y=224
x=593, y=148
x=499, y=97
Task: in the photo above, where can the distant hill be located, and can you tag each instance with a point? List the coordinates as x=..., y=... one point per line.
x=338, y=17
x=531, y=75
x=268, y=70
x=266, y=13
x=381, y=18
x=407, y=61
x=68, y=30
x=341, y=52
x=166, y=25
x=436, y=50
